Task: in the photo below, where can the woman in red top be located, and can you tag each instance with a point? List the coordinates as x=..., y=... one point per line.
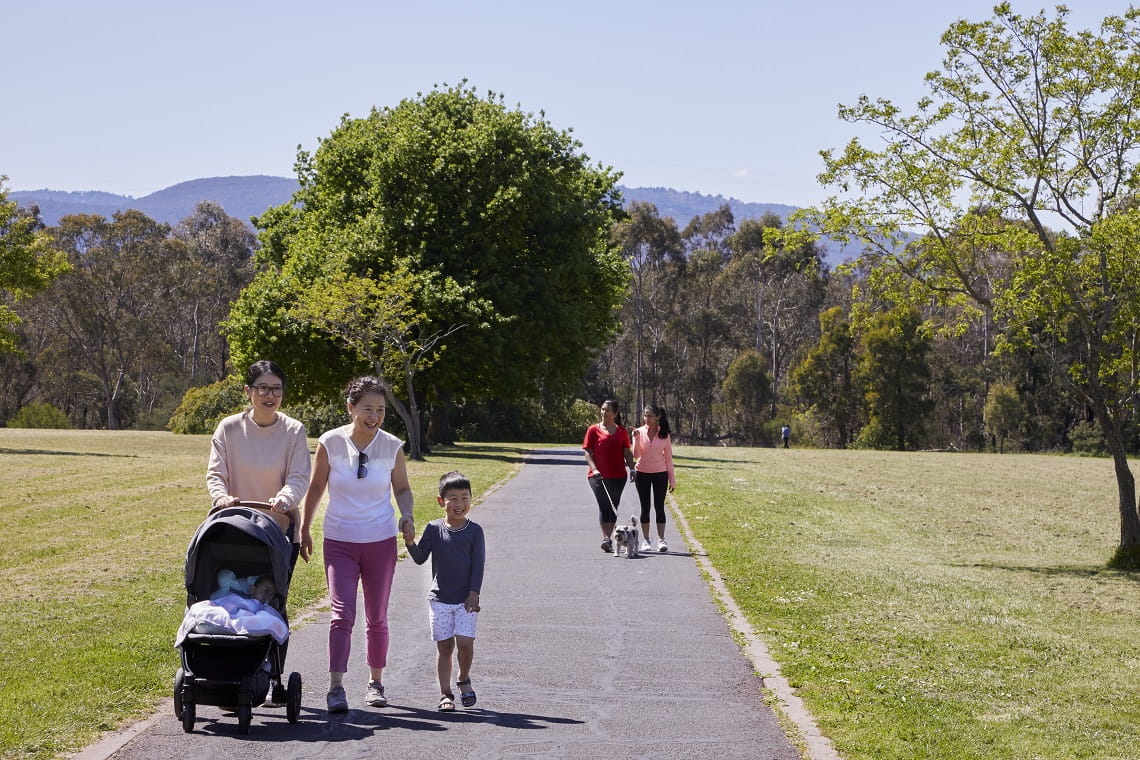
x=608, y=454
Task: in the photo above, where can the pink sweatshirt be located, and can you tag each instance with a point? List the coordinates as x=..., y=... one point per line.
x=653, y=454
x=256, y=463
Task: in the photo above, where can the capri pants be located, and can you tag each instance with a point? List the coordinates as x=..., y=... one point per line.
x=657, y=482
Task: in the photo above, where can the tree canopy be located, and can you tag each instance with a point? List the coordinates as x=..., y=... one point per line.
x=28, y=262
x=1008, y=194
x=488, y=200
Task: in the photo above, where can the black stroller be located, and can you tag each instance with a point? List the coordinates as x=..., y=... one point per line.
x=236, y=670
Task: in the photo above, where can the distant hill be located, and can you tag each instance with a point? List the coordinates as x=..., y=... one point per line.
x=683, y=206
x=250, y=196
x=241, y=197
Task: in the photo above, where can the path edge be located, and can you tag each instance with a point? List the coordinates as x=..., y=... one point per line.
x=787, y=702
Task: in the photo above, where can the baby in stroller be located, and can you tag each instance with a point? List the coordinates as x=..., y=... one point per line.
x=235, y=633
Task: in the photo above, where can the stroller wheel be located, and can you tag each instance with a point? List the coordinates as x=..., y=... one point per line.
x=293, y=698
x=178, y=693
x=245, y=715
x=188, y=717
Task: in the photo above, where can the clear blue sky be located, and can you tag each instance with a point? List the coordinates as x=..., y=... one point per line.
x=734, y=98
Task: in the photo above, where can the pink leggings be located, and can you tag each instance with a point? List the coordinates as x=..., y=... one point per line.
x=347, y=565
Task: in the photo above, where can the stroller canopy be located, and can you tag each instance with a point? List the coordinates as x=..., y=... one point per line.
x=242, y=539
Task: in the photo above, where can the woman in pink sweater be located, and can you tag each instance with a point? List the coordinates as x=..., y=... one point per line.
x=261, y=454
x=653, y=450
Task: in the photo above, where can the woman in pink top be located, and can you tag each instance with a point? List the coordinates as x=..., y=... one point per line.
x=653, y=450
x=261, y=454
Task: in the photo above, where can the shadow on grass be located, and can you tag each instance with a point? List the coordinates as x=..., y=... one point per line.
x=317, y=725
x=1072, y=571
x=43, y=452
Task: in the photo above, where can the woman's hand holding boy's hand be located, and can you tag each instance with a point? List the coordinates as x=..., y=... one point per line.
x=472, y=602
x=408, y=529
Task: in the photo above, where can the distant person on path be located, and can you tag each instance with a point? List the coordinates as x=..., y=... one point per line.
x=608, y=453
x=786, y=435
x=457, y=550
x=653, y=450
x=260, y=454
x=362, y=467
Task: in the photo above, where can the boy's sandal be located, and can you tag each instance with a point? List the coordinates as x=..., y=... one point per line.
x=467, y=696
x=447, y=702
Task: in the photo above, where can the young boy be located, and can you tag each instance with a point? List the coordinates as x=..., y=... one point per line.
x=457, y=551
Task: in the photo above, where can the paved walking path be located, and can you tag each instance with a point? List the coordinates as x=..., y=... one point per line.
x=578, y=655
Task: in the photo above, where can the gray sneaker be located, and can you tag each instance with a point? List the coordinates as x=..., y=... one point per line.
x=662, y=546
x=337, y=700
x=374, y=695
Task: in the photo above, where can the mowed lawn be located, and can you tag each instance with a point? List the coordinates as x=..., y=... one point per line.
x=932, y=605
x=94, y=527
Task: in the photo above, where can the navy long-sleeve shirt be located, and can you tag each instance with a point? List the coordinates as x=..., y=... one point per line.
x=457, y=558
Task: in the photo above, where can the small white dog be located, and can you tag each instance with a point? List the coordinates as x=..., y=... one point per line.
x=627, y=536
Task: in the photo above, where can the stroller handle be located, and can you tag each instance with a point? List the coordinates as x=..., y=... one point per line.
x=264, y=506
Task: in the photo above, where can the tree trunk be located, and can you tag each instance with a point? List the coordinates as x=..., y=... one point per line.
x=413, y=420
x=1125, y=481
x=439, y=429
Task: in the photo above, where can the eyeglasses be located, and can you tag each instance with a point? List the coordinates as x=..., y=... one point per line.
x=361, y=470
x=269, y=390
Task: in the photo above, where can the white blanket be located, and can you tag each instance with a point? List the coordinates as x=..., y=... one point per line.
x=235, y=614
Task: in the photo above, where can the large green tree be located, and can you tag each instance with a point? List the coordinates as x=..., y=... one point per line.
x=1026, y=150
x=487, y=197
x=108, y=310
x=28, y=262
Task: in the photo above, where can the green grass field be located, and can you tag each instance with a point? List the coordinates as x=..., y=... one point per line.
x=924, y=605
x=932, y=605
x=94, y=528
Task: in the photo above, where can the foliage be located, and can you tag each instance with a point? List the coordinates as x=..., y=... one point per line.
x=39, y=415
x=823, y=383
x=1087, y=438
x=893, y=372
x=28, y=262
x=700, y=298
x=203, y=408
x=493, y=202
x=552, y=421
x=1020, y=169
x=319, y=415
x=746, y=391
x=118, y=338
x=375, y=319
x=1005, y=413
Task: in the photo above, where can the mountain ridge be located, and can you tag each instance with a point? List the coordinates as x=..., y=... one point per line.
x=247, y=196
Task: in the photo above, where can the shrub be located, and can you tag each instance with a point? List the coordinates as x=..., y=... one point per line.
x=39, y=415
x=1087, y=439
x=202, y=408
x=321, y=416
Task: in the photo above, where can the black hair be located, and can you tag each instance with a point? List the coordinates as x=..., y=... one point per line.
x=264, y=367
x=612, y=404
x=662, y=420
x=359, y=387
x=454, y=481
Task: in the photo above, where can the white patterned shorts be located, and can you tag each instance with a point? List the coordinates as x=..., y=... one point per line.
x=449, y=620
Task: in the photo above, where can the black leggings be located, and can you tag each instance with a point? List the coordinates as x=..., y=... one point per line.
x=657, y=482
x=608, y=493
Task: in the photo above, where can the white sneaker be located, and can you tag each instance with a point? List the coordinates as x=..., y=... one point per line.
x=645, y=545
x=662, y=546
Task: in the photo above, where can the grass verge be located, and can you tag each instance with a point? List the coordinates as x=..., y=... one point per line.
x=931, y=605
x=95, y=529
